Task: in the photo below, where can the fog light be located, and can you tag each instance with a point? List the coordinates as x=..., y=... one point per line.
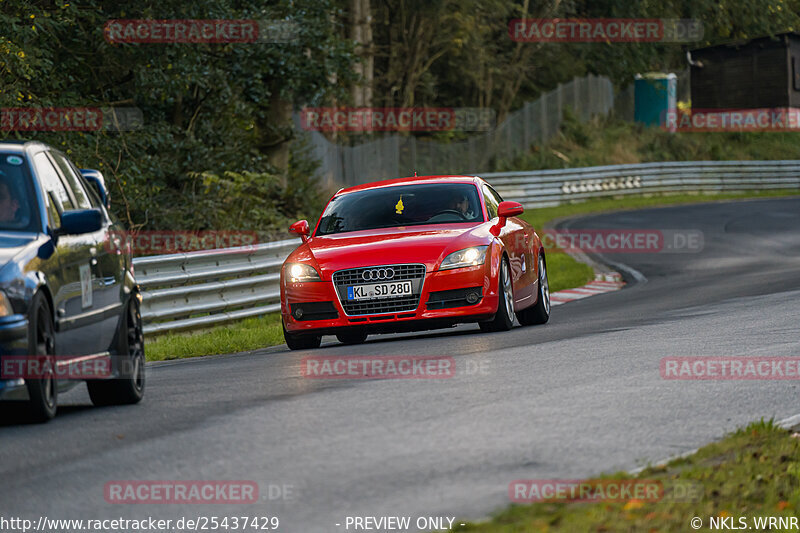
x=472, y=297
x=298, y=312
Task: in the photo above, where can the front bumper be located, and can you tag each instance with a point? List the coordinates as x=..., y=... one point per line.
x=13, y=334
x=429, y=313
x=13, y=341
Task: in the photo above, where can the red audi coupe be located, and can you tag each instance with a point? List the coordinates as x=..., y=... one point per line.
x=413, y=254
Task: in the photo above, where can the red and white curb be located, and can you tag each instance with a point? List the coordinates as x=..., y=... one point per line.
x=605, y=282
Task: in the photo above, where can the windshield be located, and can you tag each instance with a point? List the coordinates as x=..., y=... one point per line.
x=406, y=205
x=15, y=205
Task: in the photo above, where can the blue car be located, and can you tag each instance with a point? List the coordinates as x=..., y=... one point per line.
x=69, y=302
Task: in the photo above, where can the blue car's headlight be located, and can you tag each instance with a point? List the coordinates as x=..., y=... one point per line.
x=5, y=305
x=298, y=272
x=465, y=258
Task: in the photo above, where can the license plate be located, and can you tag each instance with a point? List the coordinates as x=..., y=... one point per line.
x=395, y=289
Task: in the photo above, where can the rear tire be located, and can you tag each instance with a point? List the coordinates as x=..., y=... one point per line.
x=356, y=336
x=504, y=318
x=128, y=387
x=301, y=342
x=43, y=393
x=538, y=313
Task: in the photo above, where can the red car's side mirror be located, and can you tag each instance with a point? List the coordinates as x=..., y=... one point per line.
x=505, y=210
x=301, y=228
x=509, y=209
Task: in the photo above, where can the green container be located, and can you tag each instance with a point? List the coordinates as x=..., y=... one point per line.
x=655, y=96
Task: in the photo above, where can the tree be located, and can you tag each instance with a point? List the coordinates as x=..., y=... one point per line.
x=206, y=107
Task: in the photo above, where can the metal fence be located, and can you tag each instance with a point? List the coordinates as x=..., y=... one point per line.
x=400, y=155
x=546, y=188
x=200, y=289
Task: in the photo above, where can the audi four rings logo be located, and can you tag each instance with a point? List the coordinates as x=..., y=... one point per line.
x=377, y=274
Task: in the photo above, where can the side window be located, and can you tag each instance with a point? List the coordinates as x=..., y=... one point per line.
x=53, y=187
x=73, y=180
x=492, y=201
x=91, y=192
x=94, y=199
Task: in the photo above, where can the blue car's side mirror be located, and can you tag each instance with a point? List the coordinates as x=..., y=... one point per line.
x=81, y=221
x=96, y=179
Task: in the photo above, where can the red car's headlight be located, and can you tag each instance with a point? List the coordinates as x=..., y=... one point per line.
x=298, y=272
x=465, y=258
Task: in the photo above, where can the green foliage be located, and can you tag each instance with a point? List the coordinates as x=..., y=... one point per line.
x=575, y=130
x=611, y=141
x=216, y=116
x=251, y=201
x=208, y=109
x=459, y=53
x=723, y=21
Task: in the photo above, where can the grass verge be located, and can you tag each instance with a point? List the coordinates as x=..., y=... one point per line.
x=754, y=472
x=249, y=334
x=564, y=272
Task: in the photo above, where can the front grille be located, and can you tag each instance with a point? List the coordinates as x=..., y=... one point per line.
x=354, y=276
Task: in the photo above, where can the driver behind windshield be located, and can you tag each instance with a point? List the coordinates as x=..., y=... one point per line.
x=9, y=205
x=461, y=204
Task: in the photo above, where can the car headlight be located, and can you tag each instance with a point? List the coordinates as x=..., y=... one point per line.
x=5, y=305
x=465, y=258
x=297, y=272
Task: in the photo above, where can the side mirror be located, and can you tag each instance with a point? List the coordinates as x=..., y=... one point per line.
x=509, y=209
x=504, y=211
x=300, y=228
x=81, y=221
x=96, y=180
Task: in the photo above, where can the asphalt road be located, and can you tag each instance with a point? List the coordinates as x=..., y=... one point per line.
x=579, y=396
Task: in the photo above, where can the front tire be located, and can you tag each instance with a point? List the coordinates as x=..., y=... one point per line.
x=128, y=387
x=43, y=393
x=540, y=312
x=301, y=342
x=504, y=318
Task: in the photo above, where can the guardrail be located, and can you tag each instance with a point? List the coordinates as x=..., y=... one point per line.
x=545, y=188
x=200, y=289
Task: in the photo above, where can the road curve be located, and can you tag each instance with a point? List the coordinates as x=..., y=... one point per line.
x=576, y=397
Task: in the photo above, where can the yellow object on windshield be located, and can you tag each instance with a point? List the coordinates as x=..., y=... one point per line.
x=399, y=207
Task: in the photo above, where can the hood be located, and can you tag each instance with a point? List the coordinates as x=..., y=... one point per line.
x=427, y=245
x=12, y=245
